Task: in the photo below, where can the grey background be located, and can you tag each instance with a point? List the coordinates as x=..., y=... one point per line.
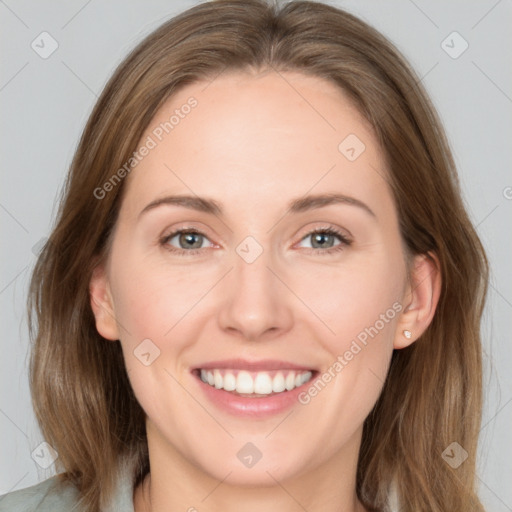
x=45, y=103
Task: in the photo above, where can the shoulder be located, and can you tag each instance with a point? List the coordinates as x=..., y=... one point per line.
x=51, y=495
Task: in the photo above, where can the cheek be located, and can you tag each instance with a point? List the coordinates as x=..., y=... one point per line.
x=350, y=300
x=160, y=307
x=150, y=299
x=359, y=306
x=362, y=310
x=153, y=305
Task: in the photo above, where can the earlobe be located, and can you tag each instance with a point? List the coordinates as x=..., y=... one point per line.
x=421, y=299
x=102, y=304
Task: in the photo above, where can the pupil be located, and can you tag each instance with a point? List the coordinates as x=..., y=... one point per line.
x=189, y=237
x=321, y=238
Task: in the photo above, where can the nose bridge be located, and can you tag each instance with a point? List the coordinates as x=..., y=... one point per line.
x=255, y=300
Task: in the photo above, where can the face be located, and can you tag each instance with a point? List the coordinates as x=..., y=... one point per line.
x=264, y=273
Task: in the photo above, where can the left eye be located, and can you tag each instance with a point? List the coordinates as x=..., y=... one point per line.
x=324, y=239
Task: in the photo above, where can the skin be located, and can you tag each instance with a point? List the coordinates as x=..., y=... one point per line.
x=254, y=143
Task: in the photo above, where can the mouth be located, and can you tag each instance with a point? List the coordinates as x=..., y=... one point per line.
x=255, y=384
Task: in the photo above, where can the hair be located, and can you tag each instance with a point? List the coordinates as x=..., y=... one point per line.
x=432, y=396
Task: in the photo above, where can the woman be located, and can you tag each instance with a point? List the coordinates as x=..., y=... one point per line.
x=263, y=291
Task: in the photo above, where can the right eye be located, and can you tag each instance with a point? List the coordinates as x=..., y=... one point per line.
x=191, y=241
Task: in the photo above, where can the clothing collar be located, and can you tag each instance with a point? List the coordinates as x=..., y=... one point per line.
x=122, y=497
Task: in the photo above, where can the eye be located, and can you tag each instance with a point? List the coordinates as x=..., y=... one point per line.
x=190, y=241
x=323, y=238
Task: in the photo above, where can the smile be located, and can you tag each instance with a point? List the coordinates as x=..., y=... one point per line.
x=254, y=384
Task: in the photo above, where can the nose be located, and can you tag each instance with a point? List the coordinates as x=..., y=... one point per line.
x=256, y=305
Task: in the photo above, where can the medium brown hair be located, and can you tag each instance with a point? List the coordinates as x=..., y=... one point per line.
x=432, y=396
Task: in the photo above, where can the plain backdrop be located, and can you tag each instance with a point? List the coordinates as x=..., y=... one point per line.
x=45, y=100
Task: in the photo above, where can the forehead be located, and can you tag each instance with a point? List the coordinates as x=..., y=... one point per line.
x=250, y=137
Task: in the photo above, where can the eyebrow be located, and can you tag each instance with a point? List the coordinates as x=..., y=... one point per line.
x=299, y=205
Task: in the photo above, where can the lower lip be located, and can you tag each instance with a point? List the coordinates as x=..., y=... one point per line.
x=252, y=407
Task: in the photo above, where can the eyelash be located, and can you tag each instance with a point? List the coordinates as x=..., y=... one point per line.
x=330, y=230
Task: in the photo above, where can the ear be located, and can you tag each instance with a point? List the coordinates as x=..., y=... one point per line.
x=420, y=299
x=102, y=304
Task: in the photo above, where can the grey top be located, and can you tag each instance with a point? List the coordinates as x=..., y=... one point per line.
x=49, y=496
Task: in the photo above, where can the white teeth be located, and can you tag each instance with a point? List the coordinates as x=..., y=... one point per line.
x=229, y=382
x=217, y=379
x=244, y=383
x=260, y=383
x=290, y=381
x=278, y=383
x=263, y=384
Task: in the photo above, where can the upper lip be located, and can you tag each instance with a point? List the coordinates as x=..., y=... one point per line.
x=261, y=365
